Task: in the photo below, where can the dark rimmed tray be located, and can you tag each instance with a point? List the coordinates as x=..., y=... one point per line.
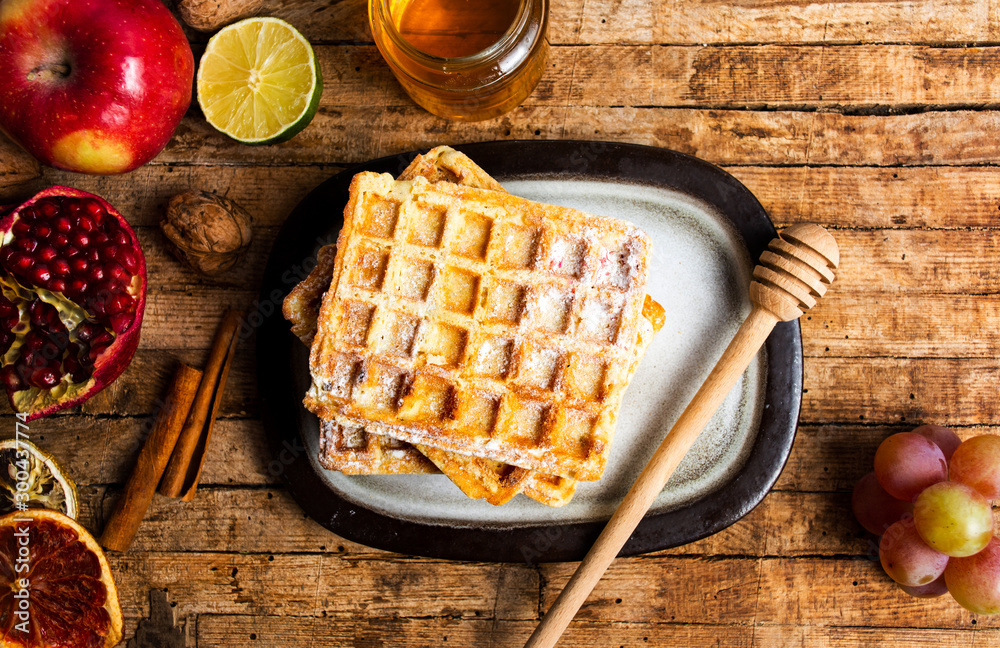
x=280, y=365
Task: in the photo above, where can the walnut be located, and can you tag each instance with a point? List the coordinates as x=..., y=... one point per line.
x=207, y=232
x=209, y=15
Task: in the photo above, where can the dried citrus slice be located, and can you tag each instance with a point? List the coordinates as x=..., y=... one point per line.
x=56, y=587
x=258, y=81
x=31, y=476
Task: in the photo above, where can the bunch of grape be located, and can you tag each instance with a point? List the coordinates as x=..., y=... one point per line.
x=929, y=499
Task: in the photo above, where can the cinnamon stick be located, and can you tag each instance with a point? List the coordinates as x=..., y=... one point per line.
x=133, y=503
x=184, y=468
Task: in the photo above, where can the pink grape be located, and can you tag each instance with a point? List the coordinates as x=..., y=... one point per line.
x=907, y=463
x=906, y=558
x=953, y=518
x=874, y=508
x=977, y=463
x=944, y=438
x=975, y=581
x=930, y=590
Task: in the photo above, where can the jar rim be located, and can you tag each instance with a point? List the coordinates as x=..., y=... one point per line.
x=500, y=47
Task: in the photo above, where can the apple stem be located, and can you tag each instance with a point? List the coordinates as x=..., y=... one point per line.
x=49, y=71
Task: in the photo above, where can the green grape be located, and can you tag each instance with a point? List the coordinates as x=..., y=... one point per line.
x=953, y=518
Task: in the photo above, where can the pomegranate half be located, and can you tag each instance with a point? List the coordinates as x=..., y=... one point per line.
x=74, y=289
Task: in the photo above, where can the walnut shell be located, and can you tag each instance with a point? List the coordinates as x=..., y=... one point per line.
x=207, y=231
x=209, y=15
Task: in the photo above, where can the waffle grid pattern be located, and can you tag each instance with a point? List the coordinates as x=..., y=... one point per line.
x=480, y=323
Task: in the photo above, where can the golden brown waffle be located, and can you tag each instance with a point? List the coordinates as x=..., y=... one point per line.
x=352, y=451
x=481, y=323
x=347, y=447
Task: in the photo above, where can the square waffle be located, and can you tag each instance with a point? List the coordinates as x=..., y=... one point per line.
x=480, y=323
x=347, y=447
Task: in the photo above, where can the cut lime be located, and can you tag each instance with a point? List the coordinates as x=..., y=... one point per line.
x=258, y=81
x=30, y=477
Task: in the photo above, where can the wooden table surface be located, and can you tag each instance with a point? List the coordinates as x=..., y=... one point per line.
x=875, y=119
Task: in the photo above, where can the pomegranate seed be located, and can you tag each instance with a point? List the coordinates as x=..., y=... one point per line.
x=93, y=207
x=108, y=251
x=92, y=255
x=60, y=267
x=115, y=270
x=120, y=323
x=70, y=251
x=11, y=379
x=71, y=364
x=60, y=240
x=26, y=244
x=5, y=253
x=33, y=342
x=85, y=331
x=40, y=274
x=128, y=258
x=48, y=207
x=43, y=231
x=96, y=273
x=58, y=285
x=121, y=238
x=79, y=239
x=44, y=378
x=78, y=265
x=46, y=254
x=7, y=309
x=77, y=286
x=62, y=225
x=20, y=261
x=21, y=227
x=119, y=303
x=100, y=238
x=86, y=224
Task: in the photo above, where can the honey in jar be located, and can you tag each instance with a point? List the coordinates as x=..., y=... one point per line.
x=463, y=59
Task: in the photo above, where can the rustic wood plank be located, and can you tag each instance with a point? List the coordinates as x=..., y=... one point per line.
x=855, y=592
x=853, y=324
x=877, y=198
x=842, y=197
x=882, y=391
x=342, y=135
x=224, y=519
x=840, y=637
x=279, y=632
x=682, y=590
x=102, y=450
x=315, y=584
x=747, y=21
x=829, y=458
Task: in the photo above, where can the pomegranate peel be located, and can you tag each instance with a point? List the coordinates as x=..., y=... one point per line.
x=73, y=281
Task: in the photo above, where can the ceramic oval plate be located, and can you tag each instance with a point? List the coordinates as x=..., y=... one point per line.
x=707, y=231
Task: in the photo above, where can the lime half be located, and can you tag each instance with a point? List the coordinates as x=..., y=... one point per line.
x=31, y=477
x=258, y=81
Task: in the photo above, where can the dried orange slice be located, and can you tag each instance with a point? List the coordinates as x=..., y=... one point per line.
x=56, y=587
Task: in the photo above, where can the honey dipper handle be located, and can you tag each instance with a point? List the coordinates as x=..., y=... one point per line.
x=777, y=294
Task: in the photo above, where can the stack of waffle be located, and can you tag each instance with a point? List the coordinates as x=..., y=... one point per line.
x=461, y=329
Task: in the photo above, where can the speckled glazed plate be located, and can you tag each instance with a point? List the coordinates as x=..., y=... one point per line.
x=707, y=231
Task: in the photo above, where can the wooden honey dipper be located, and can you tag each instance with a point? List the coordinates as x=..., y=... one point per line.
x=793, y=273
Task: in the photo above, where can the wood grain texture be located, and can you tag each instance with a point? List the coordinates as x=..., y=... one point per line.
x=875, y=119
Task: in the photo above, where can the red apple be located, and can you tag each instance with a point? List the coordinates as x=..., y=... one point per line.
x=95, y=86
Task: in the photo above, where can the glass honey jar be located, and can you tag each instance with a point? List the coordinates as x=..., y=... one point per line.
x=465, y=60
